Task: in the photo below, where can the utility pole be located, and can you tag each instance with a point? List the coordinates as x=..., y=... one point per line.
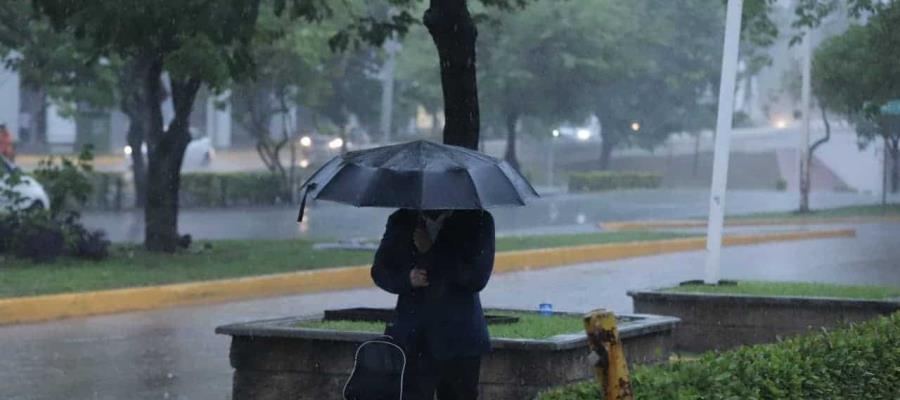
x=724, y=120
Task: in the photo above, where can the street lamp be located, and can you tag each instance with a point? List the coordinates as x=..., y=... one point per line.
x=306, y=141
x=635, y=126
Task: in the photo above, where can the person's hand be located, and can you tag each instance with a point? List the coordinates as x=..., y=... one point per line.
x=418, y=277
x=422, y=239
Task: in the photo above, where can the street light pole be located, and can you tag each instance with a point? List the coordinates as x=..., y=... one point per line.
x=551, y=159
x=724, y=121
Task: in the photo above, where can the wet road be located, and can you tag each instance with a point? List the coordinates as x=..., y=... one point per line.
x=173, y=354
x=551, y=214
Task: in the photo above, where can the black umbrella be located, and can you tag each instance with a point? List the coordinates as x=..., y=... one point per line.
x=419, y=175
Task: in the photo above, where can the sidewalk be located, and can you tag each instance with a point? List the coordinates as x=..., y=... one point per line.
x=174, y=354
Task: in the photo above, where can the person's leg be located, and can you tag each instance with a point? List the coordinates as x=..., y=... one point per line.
x=421, y=377
x=459, y=379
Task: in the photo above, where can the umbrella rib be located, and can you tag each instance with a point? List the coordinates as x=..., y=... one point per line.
x=475, y=187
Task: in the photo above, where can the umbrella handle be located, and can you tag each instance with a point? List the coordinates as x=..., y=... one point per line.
x=306, y=190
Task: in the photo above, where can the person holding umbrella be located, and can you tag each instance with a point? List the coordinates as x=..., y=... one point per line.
x=437, y=252
x=437, y=262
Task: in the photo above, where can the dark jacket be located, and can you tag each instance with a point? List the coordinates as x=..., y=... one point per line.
x=445, y=317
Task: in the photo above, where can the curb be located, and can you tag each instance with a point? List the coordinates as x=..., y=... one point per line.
x=50, y=307
x=683, y=224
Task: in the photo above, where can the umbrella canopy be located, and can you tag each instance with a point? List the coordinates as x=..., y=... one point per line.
x=419, y=175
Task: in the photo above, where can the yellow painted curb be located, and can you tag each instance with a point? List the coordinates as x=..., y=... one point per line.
x=50, y=307
x=685, y=224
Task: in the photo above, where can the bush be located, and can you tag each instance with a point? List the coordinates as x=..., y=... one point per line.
x=82, y=243
x=43, y=235
x=200, y=189
x=609, y=180
x=228, y=189
x=37, y=237
x=855, y=363
x=67, y=182
x=780, y=185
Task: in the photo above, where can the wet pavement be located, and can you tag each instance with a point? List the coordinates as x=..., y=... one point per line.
x=173, y=354
x=555, y=213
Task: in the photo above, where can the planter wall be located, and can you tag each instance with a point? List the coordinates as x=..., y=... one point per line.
x=276, y=360
x=716, y=321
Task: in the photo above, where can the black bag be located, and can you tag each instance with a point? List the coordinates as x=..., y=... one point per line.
x=377, y=371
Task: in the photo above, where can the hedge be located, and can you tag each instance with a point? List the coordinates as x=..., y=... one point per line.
x=113, y=192
x=229, y=189
x=860, y=362
x=610, y=180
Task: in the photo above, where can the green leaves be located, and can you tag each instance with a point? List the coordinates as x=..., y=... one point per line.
x=854, y=73
x=858, y=362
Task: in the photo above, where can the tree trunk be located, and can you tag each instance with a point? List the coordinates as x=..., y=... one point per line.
x=134, y=104
x=165, y=155
x=807, y=173
x=39, y=121
x=695, y=169
x=454, y=34
x=895, y=164
x=606, y=148
x=510, y=156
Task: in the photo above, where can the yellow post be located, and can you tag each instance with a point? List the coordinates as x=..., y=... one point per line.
x=607, y=355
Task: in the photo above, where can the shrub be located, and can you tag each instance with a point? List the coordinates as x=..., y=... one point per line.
x=610, y=180
x=37, y=237
x=82, y=243
x=7, y=229
x=855, y=363
x=67, y=182
x=239, y=188
x=44, y=235
x=199, y=189
x=780, y=185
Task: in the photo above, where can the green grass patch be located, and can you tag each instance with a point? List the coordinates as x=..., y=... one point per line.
x=130, y=265
x=877, y=210
x=806, y=289
x=855, y=363
x=530, y=325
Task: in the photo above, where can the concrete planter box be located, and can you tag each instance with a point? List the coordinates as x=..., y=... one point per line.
x=274, y=359
x=717, y=321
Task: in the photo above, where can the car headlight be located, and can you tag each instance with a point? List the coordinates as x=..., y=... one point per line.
x=336, y=143
x=127, y=150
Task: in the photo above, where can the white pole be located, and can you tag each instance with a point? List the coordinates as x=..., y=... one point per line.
x=805, y=99
x=550, y=161
x=723, y=139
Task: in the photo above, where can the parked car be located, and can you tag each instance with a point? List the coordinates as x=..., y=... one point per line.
x=198, y=154
x=28, y=188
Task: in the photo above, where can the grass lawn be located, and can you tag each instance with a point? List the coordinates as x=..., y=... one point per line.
x=794, y=289
x=890, y=210
x=129, y=265
x=530, y=326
